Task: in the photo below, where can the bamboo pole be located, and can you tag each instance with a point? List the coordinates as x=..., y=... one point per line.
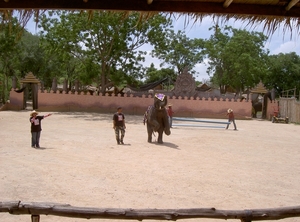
x=194, y=125
x=199, y=120
x=66, y=210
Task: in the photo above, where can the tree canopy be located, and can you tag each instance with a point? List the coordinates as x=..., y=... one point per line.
x=179, y=52
x=284, y=72
x=107, y=44
x=237, y=58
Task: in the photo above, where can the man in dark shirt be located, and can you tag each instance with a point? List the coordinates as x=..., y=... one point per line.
x=36, y=128
x=119, y=125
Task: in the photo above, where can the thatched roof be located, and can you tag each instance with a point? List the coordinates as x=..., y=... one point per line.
x=270, y=13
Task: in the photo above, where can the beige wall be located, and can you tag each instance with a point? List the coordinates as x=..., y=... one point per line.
x=183, y=107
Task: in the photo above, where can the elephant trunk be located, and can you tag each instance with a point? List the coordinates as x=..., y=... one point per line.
x=167, y=131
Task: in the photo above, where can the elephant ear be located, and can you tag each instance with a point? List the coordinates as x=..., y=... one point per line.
x=165, y=101
x=156, y=102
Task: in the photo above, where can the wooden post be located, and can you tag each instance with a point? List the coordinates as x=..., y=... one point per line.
x=35, y=218
x=247, y=217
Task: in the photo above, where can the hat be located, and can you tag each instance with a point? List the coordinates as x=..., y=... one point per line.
x=33, y=112
x=229, y=110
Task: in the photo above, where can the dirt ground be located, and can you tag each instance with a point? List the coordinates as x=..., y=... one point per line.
x=81, y=164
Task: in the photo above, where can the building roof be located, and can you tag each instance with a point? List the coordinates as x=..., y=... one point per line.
x=202, y=87
x=149, y=86
x=30, y=78
x=260, y=88
x=271, y=13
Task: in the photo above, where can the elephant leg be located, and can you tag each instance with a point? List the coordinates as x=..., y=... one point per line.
x=149, y=137
x=166, y=128
x=254, y=112
x=255, y=115
x=160, y=136
x=166, y=123
x=149, y=131
x=156, y=125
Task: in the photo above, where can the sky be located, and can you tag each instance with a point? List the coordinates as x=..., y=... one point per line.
x=277, y=43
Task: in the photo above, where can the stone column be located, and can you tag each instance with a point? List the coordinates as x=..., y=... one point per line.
x=14, y=82
x=65, y=86
x=42, y=86
x=54, y=85
x=34, y=92
x=76, y=85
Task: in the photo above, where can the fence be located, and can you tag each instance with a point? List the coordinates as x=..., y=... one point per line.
x=290, y=93
x=65, y=210
x=290, y=107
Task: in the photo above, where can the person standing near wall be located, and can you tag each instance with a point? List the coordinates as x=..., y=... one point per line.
x=119, y=125
x=36, y=128
x=170, y=114
x=231, y=118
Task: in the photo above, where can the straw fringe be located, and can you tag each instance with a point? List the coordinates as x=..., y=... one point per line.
x=270, y=24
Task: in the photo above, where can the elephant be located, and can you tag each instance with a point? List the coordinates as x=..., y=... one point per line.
x=258, y=106
x=157, y=119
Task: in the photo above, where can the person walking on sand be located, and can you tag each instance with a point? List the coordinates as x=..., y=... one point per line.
x=119, y=125
x=231, y=118
x=36, y=128
x=170, y=114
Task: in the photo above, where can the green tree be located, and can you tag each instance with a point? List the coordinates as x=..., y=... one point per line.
x=284, y=72
x=108, y=42
x=10, y=32
x=236, y=58
x=65, y=60
x=153, y=74
x=33, y=58
x=178, y=51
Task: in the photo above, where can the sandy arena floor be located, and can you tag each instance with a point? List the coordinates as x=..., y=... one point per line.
x=80, y=164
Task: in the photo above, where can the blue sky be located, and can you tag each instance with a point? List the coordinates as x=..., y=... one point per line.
x=277, y=43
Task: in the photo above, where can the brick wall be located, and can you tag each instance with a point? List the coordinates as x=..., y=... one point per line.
x=136, y=105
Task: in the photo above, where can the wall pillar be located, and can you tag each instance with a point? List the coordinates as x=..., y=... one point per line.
x=54, y=85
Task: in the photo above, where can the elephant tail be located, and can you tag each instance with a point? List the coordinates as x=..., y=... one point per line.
x=153, y=134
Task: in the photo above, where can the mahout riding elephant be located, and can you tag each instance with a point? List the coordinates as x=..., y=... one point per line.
x=156, y=118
